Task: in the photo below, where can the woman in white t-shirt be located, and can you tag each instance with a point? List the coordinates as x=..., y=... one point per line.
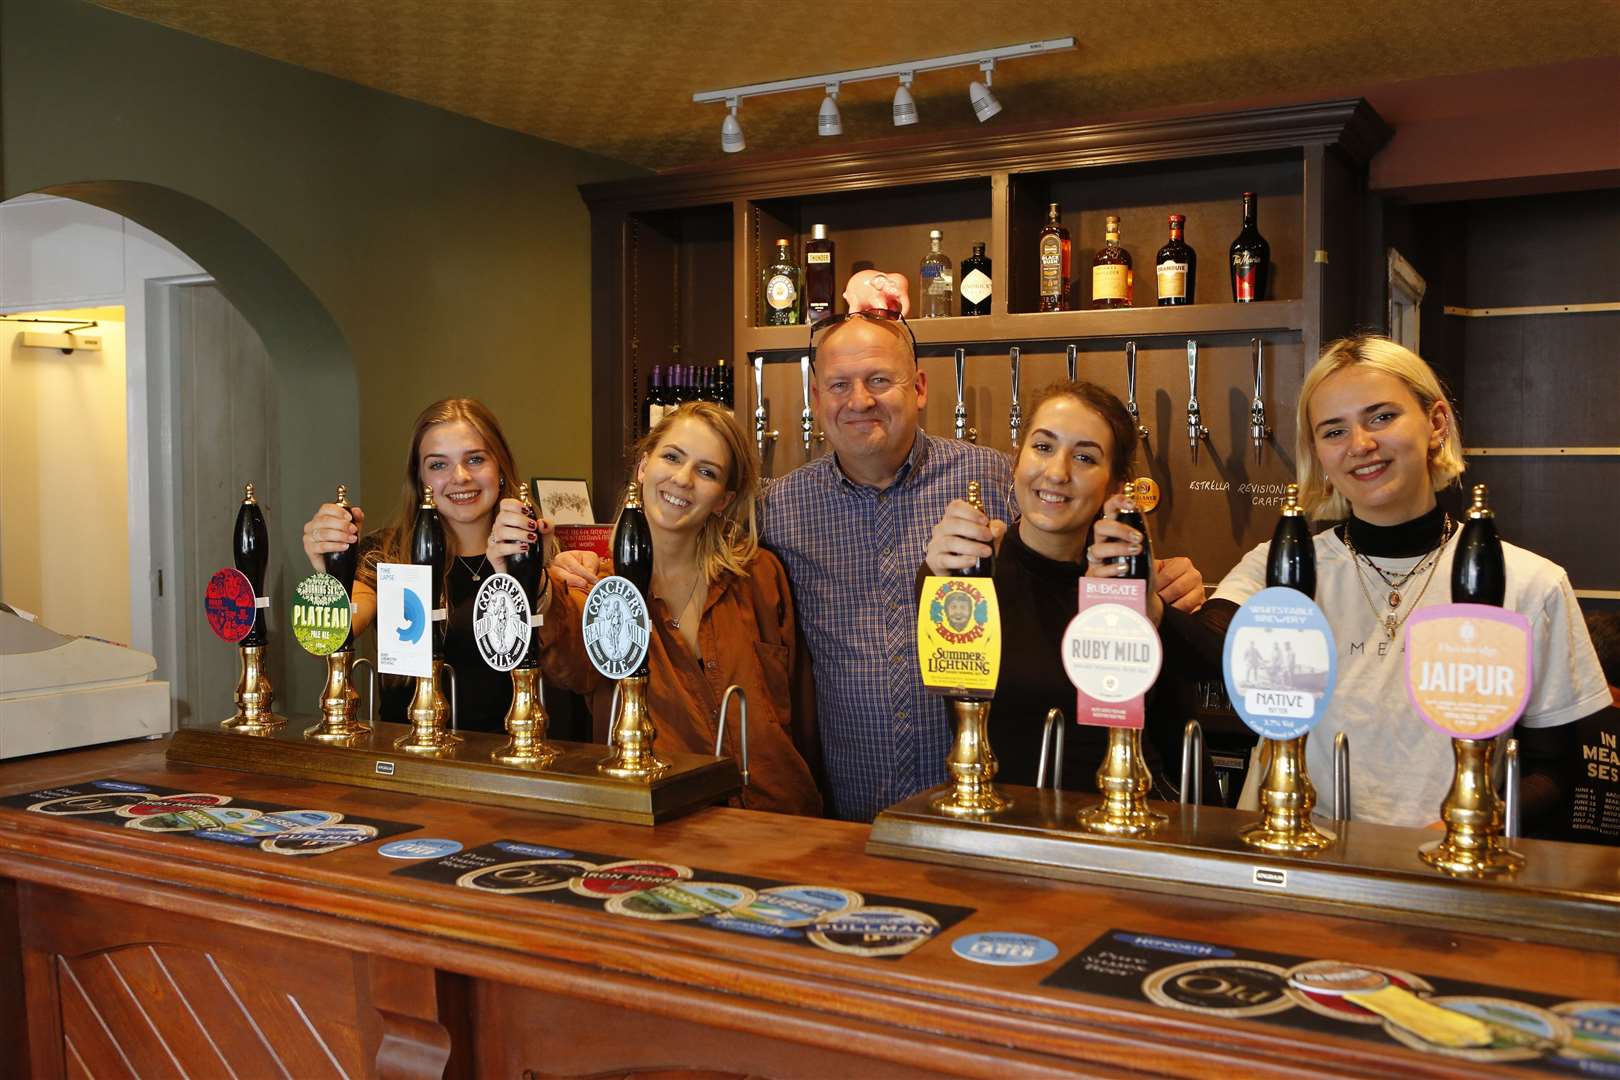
x=1376, y=440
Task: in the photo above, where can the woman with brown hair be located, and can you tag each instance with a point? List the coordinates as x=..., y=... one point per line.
x=458, y=450
x=720, y=610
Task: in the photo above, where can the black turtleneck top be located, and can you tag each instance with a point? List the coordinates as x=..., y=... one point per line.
x=1404, y=541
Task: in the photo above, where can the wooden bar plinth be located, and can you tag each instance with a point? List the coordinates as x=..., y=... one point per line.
x=1567, y=894
x=570, y=785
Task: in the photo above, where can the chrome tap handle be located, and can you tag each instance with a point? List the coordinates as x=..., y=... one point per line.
x=807, y=421
x=1130, y=382
x=1196, y=431
x=371, y=687
x=1074, y=362
x=1341, y=776
x=760, y=433
x=450, y=670
x=1015, y=415
x=1053, y=723
x=960, y=427
x=1258, y=431
x=1192, y=763
x=720, y=728
x=1510, y=788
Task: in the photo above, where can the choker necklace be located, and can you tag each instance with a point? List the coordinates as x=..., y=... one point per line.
x=477, y=572
x=1387, y=619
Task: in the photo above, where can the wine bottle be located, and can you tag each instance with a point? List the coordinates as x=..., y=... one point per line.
x=1250, y=255
x=428, y=548
x=343, y=564
x=1291, y=559
x=652, y=407
x=632, y=547
x=723, y=382
x=1177, y=265
x=251, y=553
x=1478, y=572
x=938, y=286
x=1138, y=566
x=820, y=275
x=526, y=567
x=986, y=566
x=976, y=282
x=1054, y=262
x=784, y=292
x=1111, y=270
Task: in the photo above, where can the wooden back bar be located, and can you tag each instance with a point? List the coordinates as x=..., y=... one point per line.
x=128, y=953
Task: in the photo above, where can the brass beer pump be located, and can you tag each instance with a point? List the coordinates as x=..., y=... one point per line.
x=526, y=720
x=972, y=763
x=1472, y=811
x=340, y=701
x=1123, y=778
x=428, y=708
x=254, y=696
x=1287, y=795
x=631, y=733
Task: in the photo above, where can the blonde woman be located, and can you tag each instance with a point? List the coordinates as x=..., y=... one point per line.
x=720, y=609
x=1377, y=439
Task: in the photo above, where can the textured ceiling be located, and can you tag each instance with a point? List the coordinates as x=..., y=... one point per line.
x=616, y=76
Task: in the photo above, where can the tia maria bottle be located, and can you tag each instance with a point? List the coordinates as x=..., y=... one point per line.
x=428, y=548
x=1478, y=571
x=1291, y=560
x=251, y=553
x=1138, y=565
x=1250, y=256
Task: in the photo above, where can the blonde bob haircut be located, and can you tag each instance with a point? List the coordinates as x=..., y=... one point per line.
x=1380, y=354
x=730, y=539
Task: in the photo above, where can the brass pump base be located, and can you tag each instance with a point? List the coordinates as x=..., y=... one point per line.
x=340, y=703
x=526, y=723
x=1124, y=781
x=1286, y=798
x=254, y=697
x=426, y=717
x=972, y=765
x=631, y=736
x=1472, y=813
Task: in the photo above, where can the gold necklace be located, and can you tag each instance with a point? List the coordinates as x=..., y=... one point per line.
x=1397, y=582
x=1391, y=625
x=675, y=621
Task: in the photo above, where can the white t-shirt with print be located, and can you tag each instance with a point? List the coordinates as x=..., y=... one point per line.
x=1400, y=768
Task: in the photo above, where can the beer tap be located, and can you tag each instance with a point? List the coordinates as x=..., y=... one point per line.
x=807, y=420
x=761, y=435
x=251, y=553
x=340, y=701
x=1074, y=362
x=1258, y=431
x=1015, y=414
x=962, y=429
x=428, y=708
x=631, y=733
x=1130, y=383
x=526, y=721
x=1196, y=431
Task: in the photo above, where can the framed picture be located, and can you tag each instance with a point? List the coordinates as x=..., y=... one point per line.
x=563, y=500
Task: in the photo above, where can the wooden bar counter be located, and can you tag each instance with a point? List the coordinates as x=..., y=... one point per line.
x=128, y=952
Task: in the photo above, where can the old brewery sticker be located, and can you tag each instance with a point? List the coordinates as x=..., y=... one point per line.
x=501, y=622
x=1228, y=988
x=529, y=876
x=682, y=900
x=320, y=614
x=1468, y=668
x=230, y=604
x=1111, y=652
x=615, y=627
x=631, y=875
x=959, y=636
x=1279, y=663
x=87, y=804
x=874, y=931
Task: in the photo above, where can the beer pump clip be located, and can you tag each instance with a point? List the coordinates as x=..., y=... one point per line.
x=1015, y=414
x=961, y=428
x=1259, y=433
x=761, y=423
x=1196, y=431
x=1130, y=384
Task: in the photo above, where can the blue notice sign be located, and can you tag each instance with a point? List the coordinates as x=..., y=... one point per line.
x=419, y=848
x=1000, y=949
x=1279, y=663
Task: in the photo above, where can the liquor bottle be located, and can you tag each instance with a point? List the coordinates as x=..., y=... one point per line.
x=675, y=387
x=343, y=564
x=723, y=382
x=251, y=553
x=428, y=548
x=986, y=566
x=652, y=408
x=820, y=275
x=1111, y=270
x=1291, y=559
x=1136, y=566
x=784, y=293
x=1478, y=573
x=1177, y=267
x=938, y=285
x=1251, y=257
x=632, y=547
x=1055, y=271
x=976, y=282
x=526, y=567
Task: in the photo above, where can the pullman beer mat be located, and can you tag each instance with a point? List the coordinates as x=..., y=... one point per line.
x=831, y=918
x=1470, y=1021
x=203, y=815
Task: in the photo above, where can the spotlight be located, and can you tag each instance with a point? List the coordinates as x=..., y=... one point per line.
x=985, y=104
x=731, y=136
x=829, y=122
x=905, y=109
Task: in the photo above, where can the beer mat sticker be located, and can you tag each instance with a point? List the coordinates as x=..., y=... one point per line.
x=320, y=614
x=959, y=636
x=826, y=917
x=1468, y=668
x=1279, y=663
x=209, y=816
x=1374, y=1003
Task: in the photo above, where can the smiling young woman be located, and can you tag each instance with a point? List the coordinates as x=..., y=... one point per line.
x=1377, y=439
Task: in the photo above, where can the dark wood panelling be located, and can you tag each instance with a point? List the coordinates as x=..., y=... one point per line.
x=1543, y=380
x=1544, y=249
x=1561, y=507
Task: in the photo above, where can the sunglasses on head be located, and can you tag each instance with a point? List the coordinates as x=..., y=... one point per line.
x=877, y=315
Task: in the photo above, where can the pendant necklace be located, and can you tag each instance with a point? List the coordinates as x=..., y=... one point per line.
x=676, y=620
x=477, y=572
x=1388, y=622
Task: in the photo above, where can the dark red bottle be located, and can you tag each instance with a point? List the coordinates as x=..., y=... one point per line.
x=1250, y=256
